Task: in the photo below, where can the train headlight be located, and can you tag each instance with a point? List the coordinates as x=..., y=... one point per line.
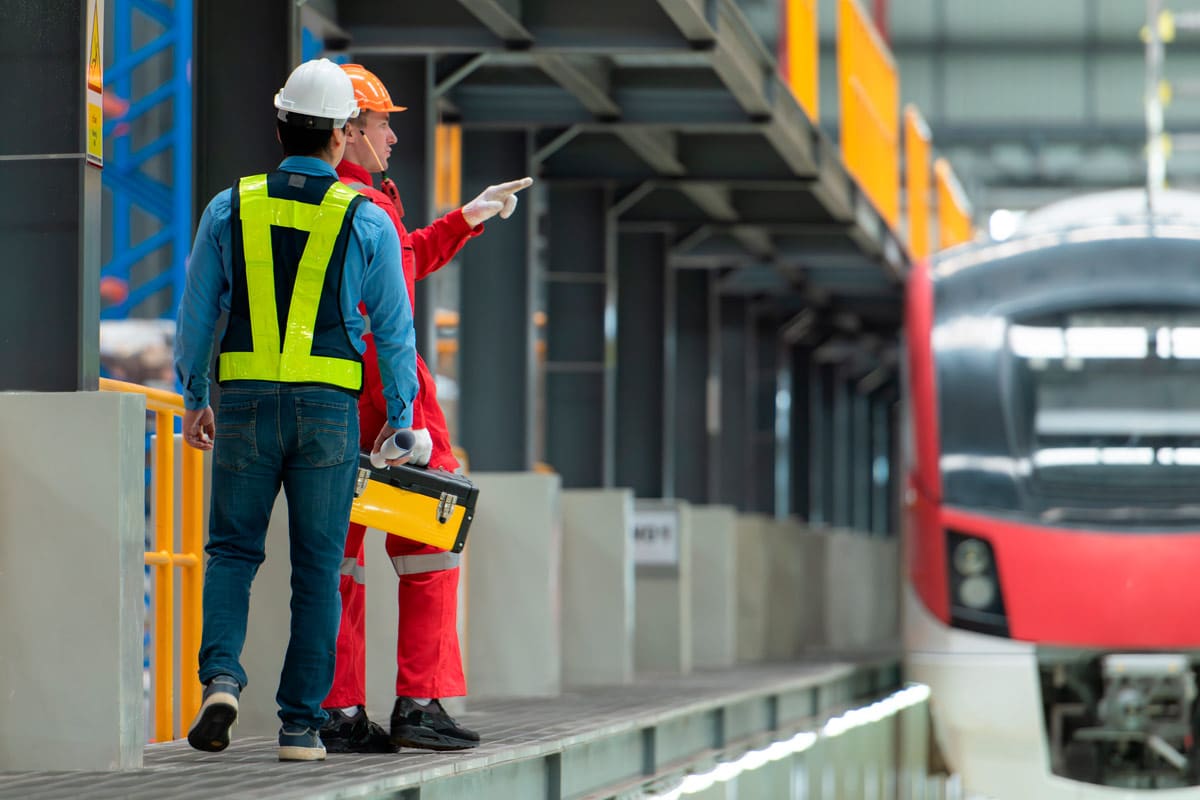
x=972, y=557
x=977, y=591
x=976, y=597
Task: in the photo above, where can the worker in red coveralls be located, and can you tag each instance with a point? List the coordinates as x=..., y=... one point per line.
x=428, y=660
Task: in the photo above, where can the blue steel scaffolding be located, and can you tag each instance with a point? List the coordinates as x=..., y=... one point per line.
x=125, y=175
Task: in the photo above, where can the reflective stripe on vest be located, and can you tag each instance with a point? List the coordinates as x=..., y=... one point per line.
x=295, y=363
x=355, y=570
x=429, y=562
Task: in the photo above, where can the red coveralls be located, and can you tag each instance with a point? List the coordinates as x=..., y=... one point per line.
x=428, y=661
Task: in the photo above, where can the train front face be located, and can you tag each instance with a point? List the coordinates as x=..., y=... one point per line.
x=1054, y=546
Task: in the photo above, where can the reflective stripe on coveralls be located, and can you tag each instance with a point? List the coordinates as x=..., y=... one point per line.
x=355, y=570
x=429, y=562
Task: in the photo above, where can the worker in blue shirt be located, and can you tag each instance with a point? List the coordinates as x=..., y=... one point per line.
x=289, y=256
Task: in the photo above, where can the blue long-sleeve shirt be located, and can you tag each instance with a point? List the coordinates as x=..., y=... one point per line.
x=373, y=275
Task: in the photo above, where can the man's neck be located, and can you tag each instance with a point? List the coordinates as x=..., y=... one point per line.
x=349, y=159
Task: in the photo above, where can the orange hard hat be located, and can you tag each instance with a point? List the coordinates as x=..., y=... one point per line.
x=369, y=91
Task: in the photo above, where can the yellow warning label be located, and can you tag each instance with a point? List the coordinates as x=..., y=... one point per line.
x=95, y=84
x=95, y=72
x=95, y=134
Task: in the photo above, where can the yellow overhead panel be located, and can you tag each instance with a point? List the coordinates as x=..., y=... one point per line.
x=868, y=99
x=953, y=211
x=799, y=54
x=917, y=147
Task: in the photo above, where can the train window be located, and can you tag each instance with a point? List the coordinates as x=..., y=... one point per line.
x=1106, y=414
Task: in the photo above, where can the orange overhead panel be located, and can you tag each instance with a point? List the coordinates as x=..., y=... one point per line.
x=448, y=181
x=953, y=210
x=917, y=148
x=868, y=101
x=799, y=53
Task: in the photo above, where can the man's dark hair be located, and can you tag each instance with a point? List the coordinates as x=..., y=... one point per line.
x=298, y=141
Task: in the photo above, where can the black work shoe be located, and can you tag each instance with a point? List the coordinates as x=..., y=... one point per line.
x=218, y=712
x=428, y=727
x=357, y=734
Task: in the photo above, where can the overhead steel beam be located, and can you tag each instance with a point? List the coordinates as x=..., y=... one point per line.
x=501, y=17
x=755, y=239
x=657, y=147
x=713, y=199
x=741, y=61
x=586, y=77
x=691, y=17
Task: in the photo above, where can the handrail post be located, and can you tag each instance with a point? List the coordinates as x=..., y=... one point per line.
x=192, y=579
x=164, y=584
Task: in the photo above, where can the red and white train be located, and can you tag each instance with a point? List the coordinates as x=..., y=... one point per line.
x=1052, y=540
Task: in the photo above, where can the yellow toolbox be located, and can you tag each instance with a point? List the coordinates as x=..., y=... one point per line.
x=431, y=506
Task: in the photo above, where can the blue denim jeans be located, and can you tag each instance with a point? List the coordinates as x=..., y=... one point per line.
x=304, y=438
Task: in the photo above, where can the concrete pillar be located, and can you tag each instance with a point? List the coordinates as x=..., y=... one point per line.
x=72, y=538
x=597, y=587
x=496, y=370
x=514, y=592
x=663, y=558
x=714, y=587
x=53, y=246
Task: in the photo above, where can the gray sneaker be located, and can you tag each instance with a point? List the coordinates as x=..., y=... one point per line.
x=297, y=743
x=217, y=715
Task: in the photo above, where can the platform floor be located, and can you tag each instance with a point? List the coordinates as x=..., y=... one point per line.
x=512, y=730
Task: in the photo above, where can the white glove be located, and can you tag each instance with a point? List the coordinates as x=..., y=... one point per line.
x=499, y=199
x=422, y=448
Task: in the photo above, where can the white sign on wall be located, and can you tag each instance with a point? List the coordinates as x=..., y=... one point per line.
x=656, y=537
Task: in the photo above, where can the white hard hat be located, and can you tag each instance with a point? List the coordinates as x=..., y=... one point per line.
x=318, y=94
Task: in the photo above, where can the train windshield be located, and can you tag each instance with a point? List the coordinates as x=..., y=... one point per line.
x=1105, y=414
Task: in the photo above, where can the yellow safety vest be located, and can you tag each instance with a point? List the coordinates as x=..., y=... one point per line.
x=294, y=361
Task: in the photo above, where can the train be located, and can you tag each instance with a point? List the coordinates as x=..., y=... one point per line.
x=1051, y=501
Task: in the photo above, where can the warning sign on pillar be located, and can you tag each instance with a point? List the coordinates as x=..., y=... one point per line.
x=95, y=83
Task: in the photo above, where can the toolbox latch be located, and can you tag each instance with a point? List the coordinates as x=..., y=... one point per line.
x=446, y=506
x=360, y=483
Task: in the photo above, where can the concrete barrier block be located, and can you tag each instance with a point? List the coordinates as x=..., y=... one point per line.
x=72, y=539
x=714, y=587
x=598, y=587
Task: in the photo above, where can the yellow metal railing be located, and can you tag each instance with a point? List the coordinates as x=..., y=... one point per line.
x=953, y=211
x=868, y=99
x=799, y=54
x=165, y=559
x=917, y=149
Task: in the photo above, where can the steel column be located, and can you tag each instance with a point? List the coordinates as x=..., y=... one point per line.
x=580, y=361
x=802, y=435
x=690, y=412
x=496, y=367
x=237, y=69
x=641, y=361
x=736, y=410
x=52, y=247
x=410, y=83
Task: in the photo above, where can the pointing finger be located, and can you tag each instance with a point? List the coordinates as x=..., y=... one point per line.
x=513, y=186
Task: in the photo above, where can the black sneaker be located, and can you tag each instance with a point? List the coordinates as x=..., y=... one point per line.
x=357, y=734
x=218, y=712
x=428, y=727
